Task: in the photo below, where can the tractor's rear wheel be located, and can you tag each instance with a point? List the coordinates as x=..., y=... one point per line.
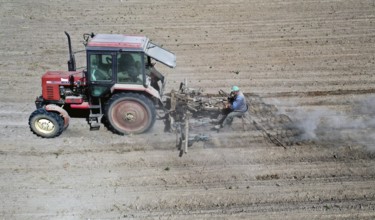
x=129, y=113
x=46, y=124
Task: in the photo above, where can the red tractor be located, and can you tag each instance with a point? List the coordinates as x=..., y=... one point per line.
x=119, y=87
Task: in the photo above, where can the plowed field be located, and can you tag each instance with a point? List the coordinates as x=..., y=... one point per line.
x=307, y=64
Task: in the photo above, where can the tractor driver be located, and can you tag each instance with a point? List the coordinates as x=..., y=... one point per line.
x=128, y=69
x=98, y=73
x=236, y=107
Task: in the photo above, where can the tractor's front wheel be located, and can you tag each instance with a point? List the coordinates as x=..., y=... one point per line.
x=46, y=124
x=129, y=113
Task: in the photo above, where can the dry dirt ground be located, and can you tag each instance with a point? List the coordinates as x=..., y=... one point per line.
x=312, y=60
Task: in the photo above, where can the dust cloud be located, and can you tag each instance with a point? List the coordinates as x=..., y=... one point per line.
x=356, y=126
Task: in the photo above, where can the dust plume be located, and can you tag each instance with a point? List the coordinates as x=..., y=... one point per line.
x=356, y=126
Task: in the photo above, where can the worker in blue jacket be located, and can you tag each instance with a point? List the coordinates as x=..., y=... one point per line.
x=236, y=107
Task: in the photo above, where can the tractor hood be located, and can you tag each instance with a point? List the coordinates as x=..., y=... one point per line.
x=160, y=54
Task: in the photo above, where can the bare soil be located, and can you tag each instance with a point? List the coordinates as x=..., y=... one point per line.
x=312, y=61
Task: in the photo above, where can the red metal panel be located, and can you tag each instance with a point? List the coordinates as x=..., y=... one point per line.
x=50, y=86
x=73, y=99
x=84, y=105
x=52, y=80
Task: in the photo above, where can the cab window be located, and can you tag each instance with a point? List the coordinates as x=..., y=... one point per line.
x=100, y=67
x=130, y=68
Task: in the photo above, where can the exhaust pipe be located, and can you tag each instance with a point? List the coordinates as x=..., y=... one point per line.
x=72, y=60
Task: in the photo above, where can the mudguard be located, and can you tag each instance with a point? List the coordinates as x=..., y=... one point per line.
x=63, y=113
x=132, y=87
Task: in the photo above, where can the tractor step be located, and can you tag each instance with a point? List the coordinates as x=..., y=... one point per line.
x=95, y=106
x=93, y=121
x=94, y=126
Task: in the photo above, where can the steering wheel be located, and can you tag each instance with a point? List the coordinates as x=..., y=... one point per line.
x=109, y=60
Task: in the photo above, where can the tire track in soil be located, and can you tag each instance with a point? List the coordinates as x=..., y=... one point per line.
x=222, y=192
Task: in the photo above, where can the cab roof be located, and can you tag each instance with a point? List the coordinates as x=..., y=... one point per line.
x=120, y=42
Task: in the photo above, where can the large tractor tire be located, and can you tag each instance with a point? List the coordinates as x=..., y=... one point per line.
x=129, y=113
x=46, y=124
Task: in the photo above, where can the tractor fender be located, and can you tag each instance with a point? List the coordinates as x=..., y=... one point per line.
x=63, y=113
x=130, y=87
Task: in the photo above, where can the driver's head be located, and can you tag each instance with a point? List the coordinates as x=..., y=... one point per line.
x=127, y=59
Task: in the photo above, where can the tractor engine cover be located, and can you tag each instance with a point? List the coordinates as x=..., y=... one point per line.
x=52, y=80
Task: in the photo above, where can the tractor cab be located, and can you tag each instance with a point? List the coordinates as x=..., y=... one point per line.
x=119, y=62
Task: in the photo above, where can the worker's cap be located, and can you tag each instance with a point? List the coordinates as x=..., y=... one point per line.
x=235, y=89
